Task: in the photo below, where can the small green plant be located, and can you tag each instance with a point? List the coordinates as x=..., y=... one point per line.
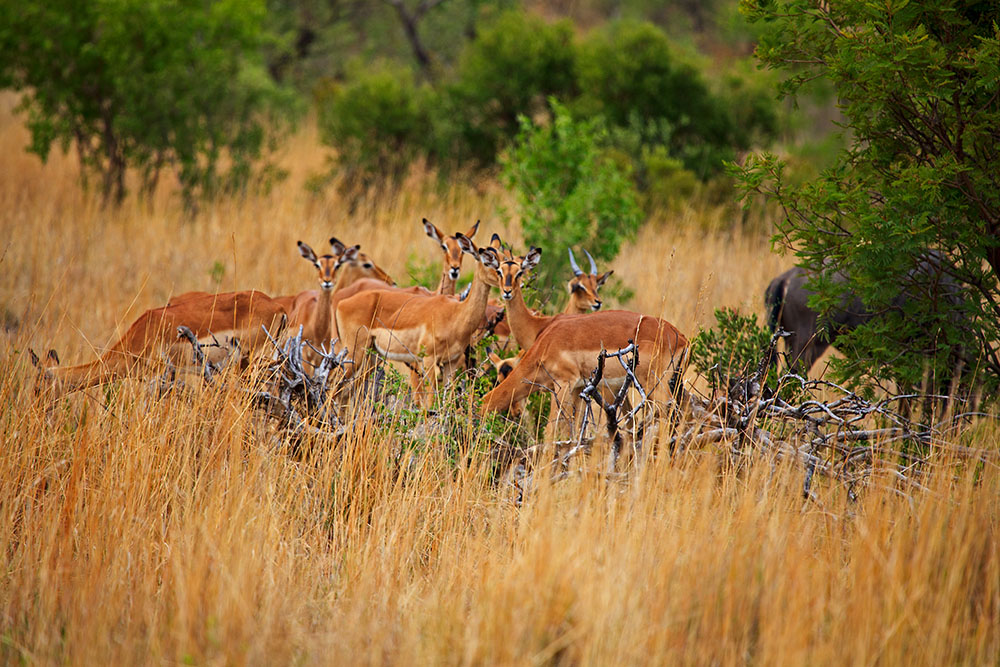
x=569, y=192
x=733, y=347
x=217, y=272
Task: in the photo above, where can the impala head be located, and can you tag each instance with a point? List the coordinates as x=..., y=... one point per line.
x=511, y=270
x=584, y=287
x=486, y=257
x=326, y=265
x=450, y=246
x=353, y=265
x=46, y=380
x=504, y=367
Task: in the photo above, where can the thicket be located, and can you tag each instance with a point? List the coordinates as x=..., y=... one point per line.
x=657, y=109
x=569, y=192
x=908, y=217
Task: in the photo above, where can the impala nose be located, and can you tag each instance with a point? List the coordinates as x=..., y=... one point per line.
x=326, y=284
x=507, y=295
x=453, y=272
x=596, y=306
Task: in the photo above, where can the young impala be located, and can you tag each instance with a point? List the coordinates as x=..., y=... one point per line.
x=452, y=265
x=313, y=309
x=431, y=331
x=526, y=324
x=565, y=354
x=237, y=319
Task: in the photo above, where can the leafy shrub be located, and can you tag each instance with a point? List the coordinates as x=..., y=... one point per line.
x=629, y=73
x=510, y=69
x=733, y=348
x=568, y=192
x=378, y=122
x=148, y=86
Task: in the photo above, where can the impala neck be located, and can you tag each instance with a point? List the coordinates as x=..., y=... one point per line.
x=474, y=306
x=447, y=285
x=524, y=324
x=322, y=325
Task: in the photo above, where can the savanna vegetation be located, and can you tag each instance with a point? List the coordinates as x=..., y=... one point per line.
x=161, y=517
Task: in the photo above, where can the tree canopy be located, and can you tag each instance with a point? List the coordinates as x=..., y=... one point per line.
x=147, y=84
x=912, y=207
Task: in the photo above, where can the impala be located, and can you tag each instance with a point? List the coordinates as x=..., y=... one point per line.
x=526, y=324
x=238, y=319
x=431, y=331
x=452, y=265
x=312, y=309
x=565, y=354
x=349, y=271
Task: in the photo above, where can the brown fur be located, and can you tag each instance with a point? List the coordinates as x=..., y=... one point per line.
x=229, y=316
x=430, y=330
x=565, y=354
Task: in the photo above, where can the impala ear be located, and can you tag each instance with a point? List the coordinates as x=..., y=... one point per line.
x=338, y=246
x=488, y=257
x=349, y=254
x=493, y=356
x=466, y=244
x=603, y=277
x=473, y=229
x=51, y=359
x=531, y=260
x=433, y=232
x=496, y=241
x=307, y=252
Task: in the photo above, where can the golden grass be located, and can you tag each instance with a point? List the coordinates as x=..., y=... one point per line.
x=135, y=529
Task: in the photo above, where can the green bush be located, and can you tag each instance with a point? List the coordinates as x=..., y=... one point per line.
x=147, y=85
x=629, y=73
x=510, y=69
x=378, y=123
x=568, y=191
x=731, y=349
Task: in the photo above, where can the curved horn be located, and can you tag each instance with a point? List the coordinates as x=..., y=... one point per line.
x=593, y=266
x=572, y=262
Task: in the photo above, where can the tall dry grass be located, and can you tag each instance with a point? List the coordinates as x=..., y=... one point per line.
x=136, y=529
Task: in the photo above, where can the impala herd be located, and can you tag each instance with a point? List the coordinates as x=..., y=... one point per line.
x=359, y=309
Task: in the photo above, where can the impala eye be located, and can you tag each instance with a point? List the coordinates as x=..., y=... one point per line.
x=367, y=265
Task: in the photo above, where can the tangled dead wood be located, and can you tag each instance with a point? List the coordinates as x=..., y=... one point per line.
x=821, y=425
x=298, y=402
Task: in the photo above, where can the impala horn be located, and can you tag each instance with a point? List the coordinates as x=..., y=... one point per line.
x=593, y=266
x=572, y=262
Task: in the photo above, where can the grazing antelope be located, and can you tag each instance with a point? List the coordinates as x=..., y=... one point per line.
x=452, y=265
x=565, y=354
x=503, y=366
x=236, y=318
x=312, y=309
x=430, y=330
x=526, y=324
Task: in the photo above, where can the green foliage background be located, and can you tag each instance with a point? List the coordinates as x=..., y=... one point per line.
x=912, y=207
